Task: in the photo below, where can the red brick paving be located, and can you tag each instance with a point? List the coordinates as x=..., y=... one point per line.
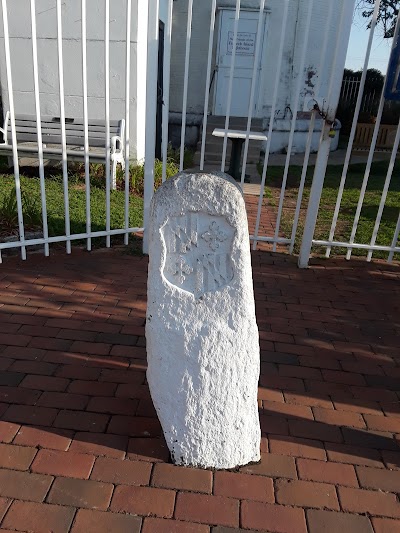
x=81, y=444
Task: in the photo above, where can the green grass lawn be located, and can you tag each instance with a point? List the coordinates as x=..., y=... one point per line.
x=31, y=198
x=30, y=188
x=348, y=207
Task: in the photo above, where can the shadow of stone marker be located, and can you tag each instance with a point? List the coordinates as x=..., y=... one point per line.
x=202, y=336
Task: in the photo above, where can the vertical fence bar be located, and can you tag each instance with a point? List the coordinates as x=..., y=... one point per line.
x=385, y=191
x=186, y=81
x=63, y=129
x=86, y=124
x=395, y=239
x=354, y=125
x=39, y=126
x=300, y=82
x=151, y=114
x=317, y=91
x=230, y=90
x=302, y=182
x=166, y=85
x=13, y=130
x=371, y=153
x=142, y=15
x=253, y=87
x=127, y=114
x=271, y=120
x=325, y=143
x=367, y=171
x=107, y=117
x=208, y=81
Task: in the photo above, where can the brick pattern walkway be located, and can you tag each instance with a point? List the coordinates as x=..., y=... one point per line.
x=81, y=445
x=267, y=221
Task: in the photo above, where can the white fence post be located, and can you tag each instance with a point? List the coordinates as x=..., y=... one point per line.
x=324, y=149
x=151, y=113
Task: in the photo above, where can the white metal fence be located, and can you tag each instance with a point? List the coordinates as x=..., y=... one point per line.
x=85, y=154
x=349, y=94
x=351, y=245
x=324, y=94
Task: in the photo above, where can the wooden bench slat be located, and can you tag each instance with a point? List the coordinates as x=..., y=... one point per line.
x=56, y=139
x=31, y=126
x=57, y=132
x=76, y=121
x=56, y=153
x=27, y=139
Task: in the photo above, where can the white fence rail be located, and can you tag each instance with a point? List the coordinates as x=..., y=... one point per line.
x=349, y=94
x=308, y=240
x=323, y=93
x=86, y=154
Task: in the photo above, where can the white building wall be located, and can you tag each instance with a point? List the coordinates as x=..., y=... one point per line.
x=295, y=35
x=22, y=65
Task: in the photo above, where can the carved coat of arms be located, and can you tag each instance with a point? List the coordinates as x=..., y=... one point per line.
x=198, y=252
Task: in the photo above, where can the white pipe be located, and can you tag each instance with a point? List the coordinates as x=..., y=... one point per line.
x=253, y=87
x=151, y=115
x=350, y=246
x=271, y=120
x=63, y=238
x=127, y=113
x=86, y=123
x=208, y=80
x=142, y=15
x=354, y=125
x=166, y=85
x=63, y=130
x=186, y=81
x=230, y=87
x=39, y=126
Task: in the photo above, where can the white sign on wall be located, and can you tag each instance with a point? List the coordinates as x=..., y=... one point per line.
x=245, y=45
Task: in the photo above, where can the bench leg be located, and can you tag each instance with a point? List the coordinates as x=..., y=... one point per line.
x=114, y=175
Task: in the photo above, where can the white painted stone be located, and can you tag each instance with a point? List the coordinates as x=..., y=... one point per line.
x=202, y=337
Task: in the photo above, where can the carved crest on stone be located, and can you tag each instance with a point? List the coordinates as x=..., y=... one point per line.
x=198, y=252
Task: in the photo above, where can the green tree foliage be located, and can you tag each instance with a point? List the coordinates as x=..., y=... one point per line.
x=374, y=79
x=387, y=17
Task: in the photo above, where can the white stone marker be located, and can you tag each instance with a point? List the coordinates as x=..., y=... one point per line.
x=202, y=337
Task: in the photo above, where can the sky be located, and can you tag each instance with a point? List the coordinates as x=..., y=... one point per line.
x=358, y=46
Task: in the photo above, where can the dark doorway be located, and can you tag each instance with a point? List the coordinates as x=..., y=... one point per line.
x=160, y=89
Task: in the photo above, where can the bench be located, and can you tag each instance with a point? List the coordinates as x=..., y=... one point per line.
x=238, y=138
x=27, y=139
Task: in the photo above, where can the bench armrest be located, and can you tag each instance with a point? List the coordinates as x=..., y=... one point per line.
x=117, y=143
x=4, y=129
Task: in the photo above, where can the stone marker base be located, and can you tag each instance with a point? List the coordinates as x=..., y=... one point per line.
x=202, y=336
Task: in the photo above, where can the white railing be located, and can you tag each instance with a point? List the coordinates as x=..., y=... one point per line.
x=86, y=155
x=349, y=94
x=325, y=94
x=312, y=214
x=329, y=94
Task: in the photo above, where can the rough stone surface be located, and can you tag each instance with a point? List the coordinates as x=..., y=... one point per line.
x=202, y=337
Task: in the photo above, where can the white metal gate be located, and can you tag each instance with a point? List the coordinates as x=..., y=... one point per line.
x=114, y=148
x=321, y=96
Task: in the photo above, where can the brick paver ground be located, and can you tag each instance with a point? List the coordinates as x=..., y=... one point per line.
x=81, y=447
